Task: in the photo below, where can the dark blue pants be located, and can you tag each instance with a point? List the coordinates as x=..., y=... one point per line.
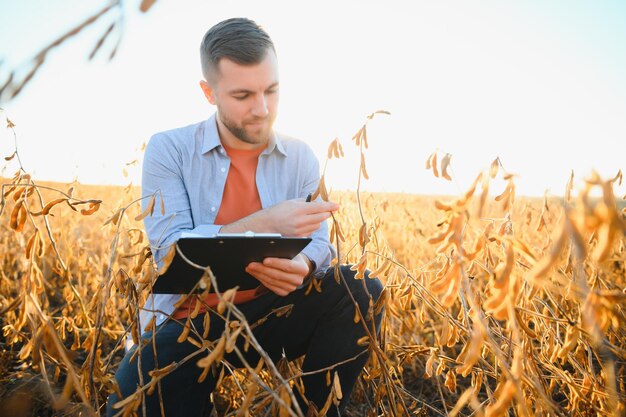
x=320, y=326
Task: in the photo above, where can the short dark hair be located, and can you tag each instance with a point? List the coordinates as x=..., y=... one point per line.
x=239, y=39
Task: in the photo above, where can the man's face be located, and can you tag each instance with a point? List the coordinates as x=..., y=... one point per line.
x=246, y=97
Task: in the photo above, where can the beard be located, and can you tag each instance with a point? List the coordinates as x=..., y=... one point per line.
x=254, y=135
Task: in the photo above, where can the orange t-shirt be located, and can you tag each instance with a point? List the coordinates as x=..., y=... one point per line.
x=240, y=199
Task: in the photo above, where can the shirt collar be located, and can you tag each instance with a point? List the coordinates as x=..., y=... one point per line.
x=212, y=139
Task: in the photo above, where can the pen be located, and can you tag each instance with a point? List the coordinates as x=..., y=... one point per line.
x=308, y=198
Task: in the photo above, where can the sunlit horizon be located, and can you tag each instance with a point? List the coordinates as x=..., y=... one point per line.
x=538, y=85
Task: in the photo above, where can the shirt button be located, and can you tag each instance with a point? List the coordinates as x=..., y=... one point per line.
x=223, y=169
x=221, y=150
x=212, y=208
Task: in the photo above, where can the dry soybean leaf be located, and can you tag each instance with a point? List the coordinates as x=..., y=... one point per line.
x=183, y=335
x=331, y=150
x=34, y=240
x=383, y=267
x=206, y=322
x=503, y=194
x=130, y=401
x=337, y=386
x=215, y=355
x=115, y=218
x=15, y=214
x=46, y=210
x=23, y=192
x=541, y=224
x=10, y=190
x=371, y=116
x=541, y=268
x=493, y=169
x=227, y=297
x=338, y=149
x=357, y=136
x=363, y=341
x=363, y=236
x=441, y=368
x=93, y=207
x=524, y=325
x=382, y=300
x=19, y=193
x=40, y=246
x=196, y=309
x=232, y=340
x=430, y=364
x=8, y=158
x=617, y=178
x=21, y=218
x=569, y=187
x=156, y=373
x=445, y=332
x=571, y=341
x=440, y=205
x=433, y=164
x=445, y=164
x=10, y=124
x=471, y=352
x=25, y=351
x=338, y=231
x=469, y=193
x=337, y=274
x=360, y=267
x=149, y=209
x=135, y=235
x=321, y=190
x=335, y=149
x=451, y=380
x=498, y=409
x=283, y=311
x=363, y=169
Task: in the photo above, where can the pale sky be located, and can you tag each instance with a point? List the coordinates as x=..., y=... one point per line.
x=538, y=83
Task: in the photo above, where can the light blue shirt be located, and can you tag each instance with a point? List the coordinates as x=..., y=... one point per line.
x=188, y=167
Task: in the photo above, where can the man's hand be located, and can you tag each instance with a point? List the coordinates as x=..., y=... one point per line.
x=290, y=218
x=281, y=276
x=298, y=218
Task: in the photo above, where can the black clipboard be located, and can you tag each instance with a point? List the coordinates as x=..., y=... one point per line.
x=228, y=257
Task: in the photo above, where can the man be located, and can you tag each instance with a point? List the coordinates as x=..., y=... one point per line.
x=232, y=173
